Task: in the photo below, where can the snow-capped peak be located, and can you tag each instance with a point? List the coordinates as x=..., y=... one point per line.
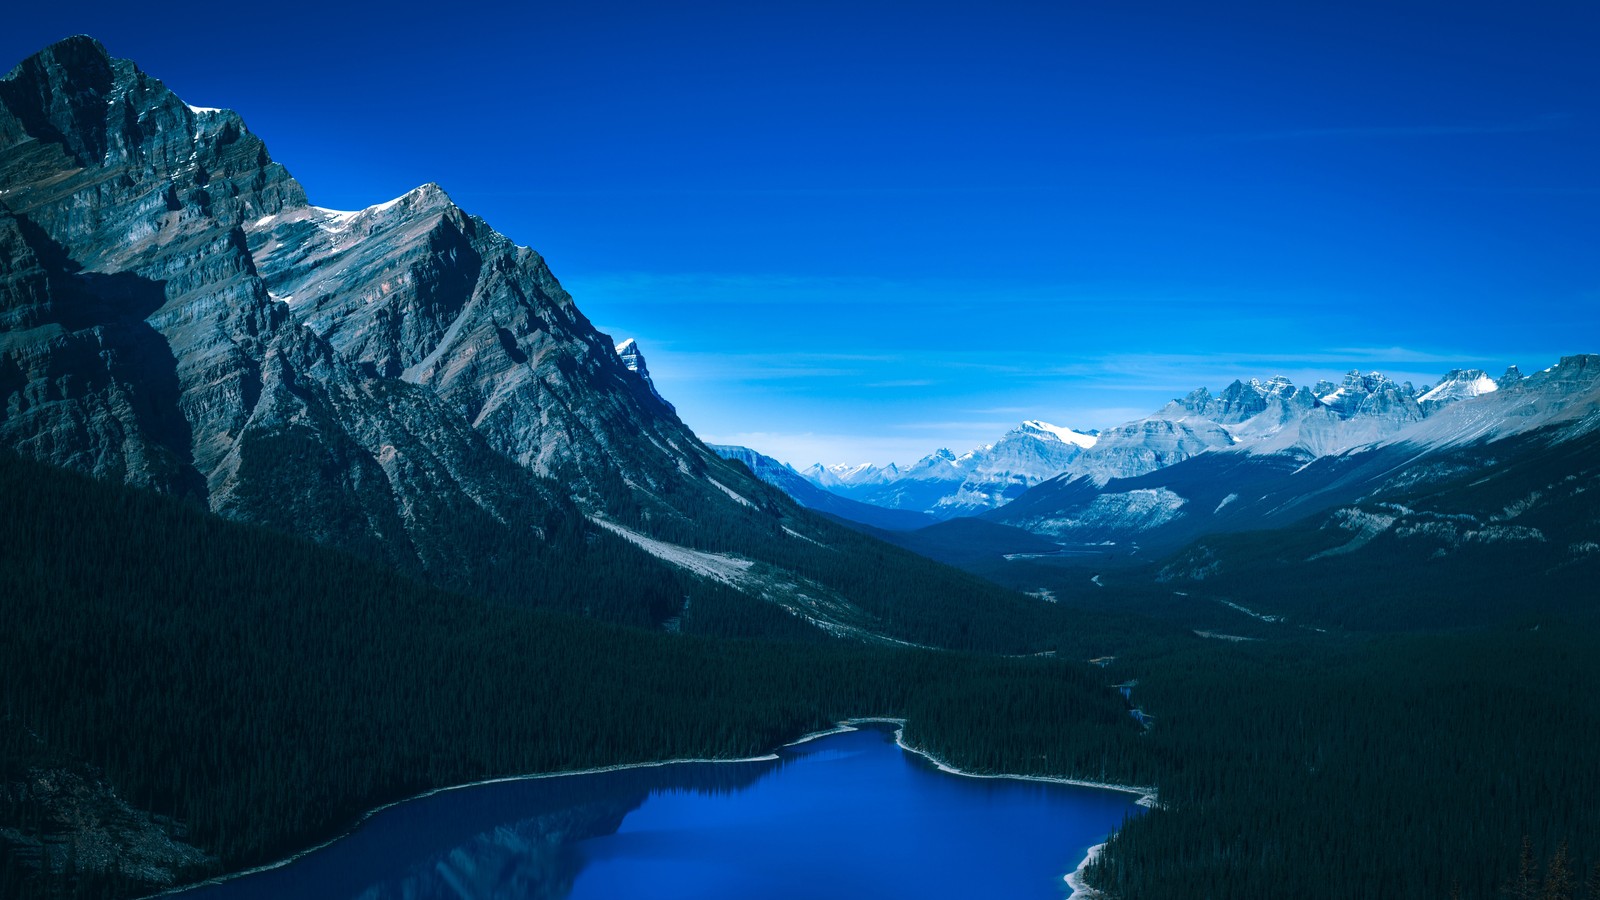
x=1460, y=384
x=633, y=361
x=1065, y=435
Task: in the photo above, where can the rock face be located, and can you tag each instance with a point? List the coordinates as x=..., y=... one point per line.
x=79, y=823
x=175, y=314
x=632, y=357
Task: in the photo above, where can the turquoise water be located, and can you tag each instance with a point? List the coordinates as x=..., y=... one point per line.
x=848, y=815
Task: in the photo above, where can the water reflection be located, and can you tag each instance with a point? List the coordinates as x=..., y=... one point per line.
x=850, y=808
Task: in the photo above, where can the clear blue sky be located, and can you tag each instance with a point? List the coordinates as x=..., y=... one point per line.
x=857, y=231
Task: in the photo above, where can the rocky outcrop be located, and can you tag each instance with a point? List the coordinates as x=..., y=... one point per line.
x=79, y=829
x=633, y=358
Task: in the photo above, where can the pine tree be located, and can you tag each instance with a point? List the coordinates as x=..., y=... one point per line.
x=1526, y=887
x=1558, y=883
x=1592, y=890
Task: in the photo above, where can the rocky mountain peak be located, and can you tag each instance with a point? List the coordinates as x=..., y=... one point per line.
x=1242, y=401
x=1197, y=400
x=1372, y=394
x=1457, y=384
x=628, y=351
x=64, y=90
x=1277, y=385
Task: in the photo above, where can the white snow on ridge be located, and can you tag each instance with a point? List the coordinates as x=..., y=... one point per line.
x=335, y=219
x=1067, y=435
x=1447, y=389
x=202, y=110
x=339, y=219
x=388, y=204
x=730, y=492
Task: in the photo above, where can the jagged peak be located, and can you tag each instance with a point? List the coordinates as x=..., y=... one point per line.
x=628, y=351
x=428, y=198
x=633, y=360
x=68, y=50
x=1459, y=384
x=1277, y=385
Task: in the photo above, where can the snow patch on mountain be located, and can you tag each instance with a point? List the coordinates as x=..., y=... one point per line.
x=1134, y=510
x=732, y=494
x=724, y=567
x=1459, y=384
x=1066, y=435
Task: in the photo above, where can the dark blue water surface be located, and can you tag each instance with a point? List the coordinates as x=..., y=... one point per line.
x=848, y=815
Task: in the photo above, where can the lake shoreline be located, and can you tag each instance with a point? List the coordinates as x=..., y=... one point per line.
x=1074, y=879
x=843, y=727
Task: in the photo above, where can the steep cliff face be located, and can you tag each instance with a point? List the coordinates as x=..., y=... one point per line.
x=130, y=201
x=417, y=290
x=400, y=381
x=141, y=342
x=160, y=248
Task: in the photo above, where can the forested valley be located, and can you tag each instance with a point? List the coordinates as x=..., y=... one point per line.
x=257, y=693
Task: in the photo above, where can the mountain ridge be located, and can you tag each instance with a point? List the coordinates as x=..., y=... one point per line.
x=402, y=380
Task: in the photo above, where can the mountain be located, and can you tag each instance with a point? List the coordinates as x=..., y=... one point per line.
x=945, y=485
x=848, y=476
x=1474, y=534
x=1264, y=455
x=401, y=381
x=628, y=351
x=807, y=494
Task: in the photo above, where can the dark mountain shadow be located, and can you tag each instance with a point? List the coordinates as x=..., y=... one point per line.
x=107, y=313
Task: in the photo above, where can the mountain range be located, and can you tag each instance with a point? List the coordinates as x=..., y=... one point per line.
x=944, y=485
x=1258, y=454
x=1265, y=453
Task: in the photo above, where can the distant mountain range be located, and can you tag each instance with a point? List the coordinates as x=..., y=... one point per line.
x=1259, y=454
x=820, y=499
x=944, y=485
x=1266, y=453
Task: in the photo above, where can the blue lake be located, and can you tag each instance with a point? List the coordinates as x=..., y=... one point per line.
x=847, y=815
